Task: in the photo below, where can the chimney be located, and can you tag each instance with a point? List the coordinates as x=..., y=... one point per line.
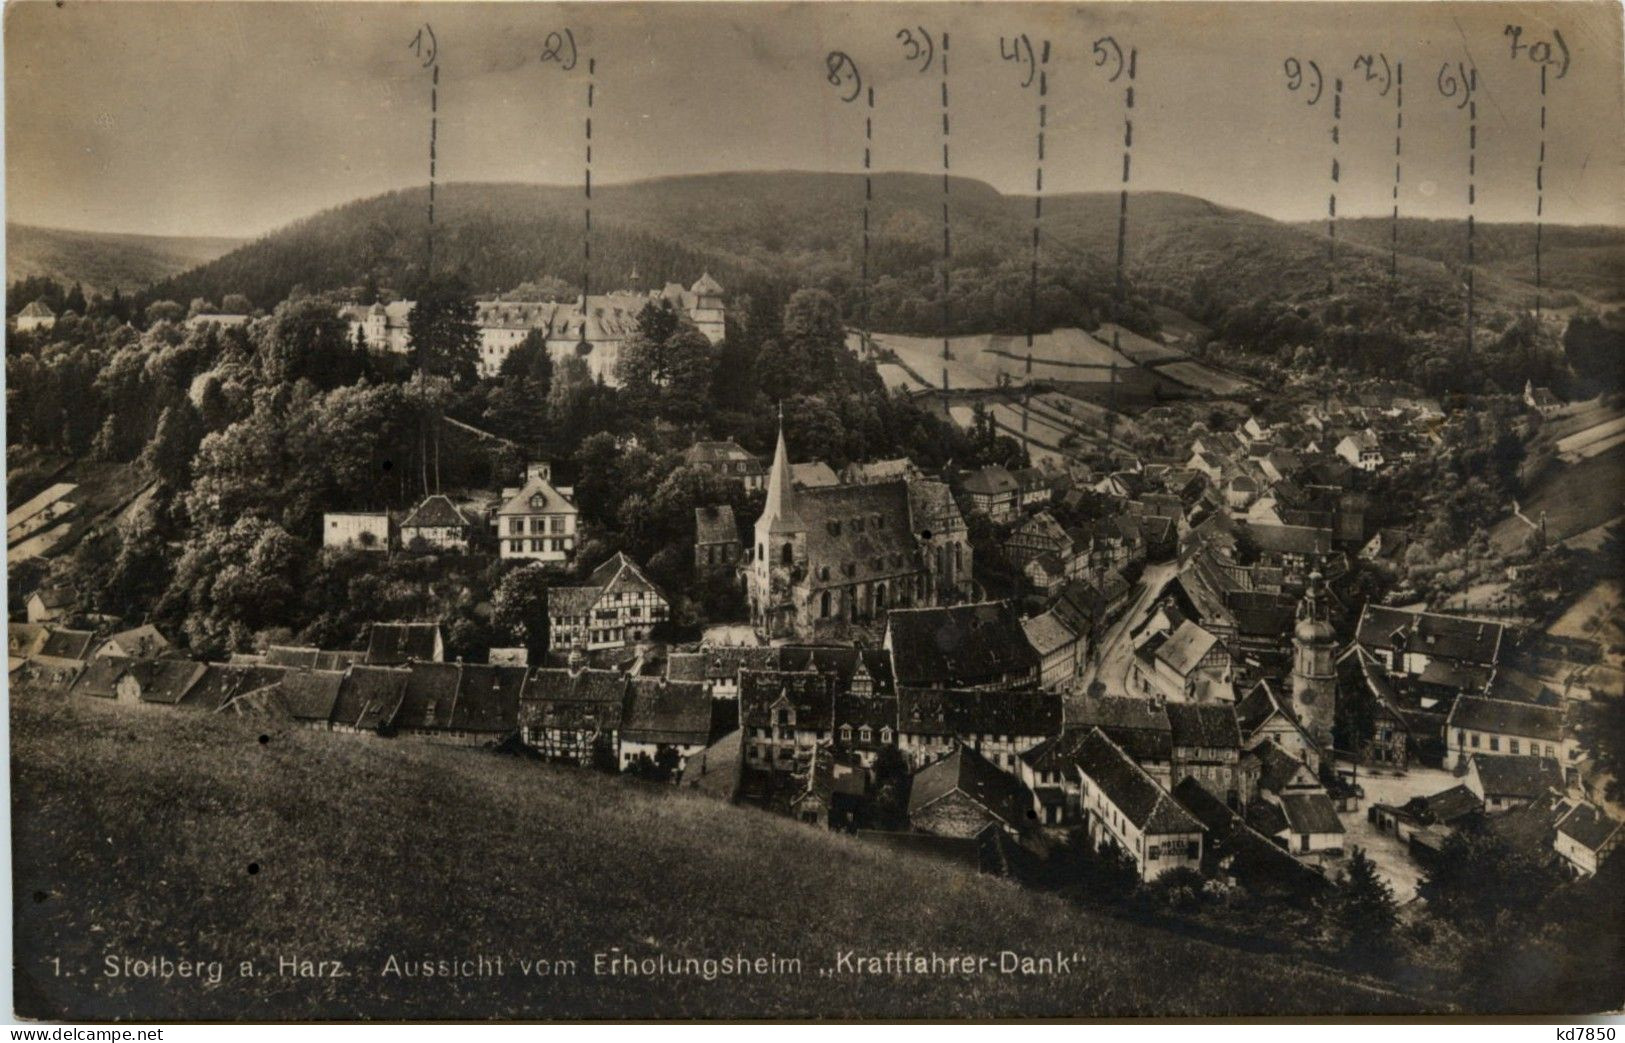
x=578, y=658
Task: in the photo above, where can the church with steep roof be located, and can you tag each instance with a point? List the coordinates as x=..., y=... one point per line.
x=847, y=553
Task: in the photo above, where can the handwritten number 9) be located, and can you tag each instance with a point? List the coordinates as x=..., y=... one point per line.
x=1296, y=77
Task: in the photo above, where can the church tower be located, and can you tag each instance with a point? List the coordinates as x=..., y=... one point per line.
x=1314, y=669
x=780, y=554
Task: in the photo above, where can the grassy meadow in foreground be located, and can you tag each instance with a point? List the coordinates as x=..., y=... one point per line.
x=135, y=830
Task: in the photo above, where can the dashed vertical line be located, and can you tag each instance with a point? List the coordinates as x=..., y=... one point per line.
x=1337, y=176
x=1399, y=133
x=1038, y=202
x=1128, y=149
x=947, y=239
x=1540, y=189
x=586, y=226
x=434, y=134
x=868, y=198
x=1472, y=195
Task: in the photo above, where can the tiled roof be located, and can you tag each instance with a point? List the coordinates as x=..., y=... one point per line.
x=1500, y=717
x=842, y=662
x=1139, y=726
x=488, y=699
x=1433, y=634
x=1523, y=777
x=931, y=500
x=963, y=644
x=685, y=666
x=965, y=712
x=1291, y=539
x=1587, y=825
x=811, y=695
x=1185, y=648
x=968, y=772
x=431, y=689
x=26, y=639
x=568, y=602
x=389, y=644
x=845, y=545
x=1310, y=813
x=727, y=454
x=550, y=501
x=1252, y=856
x=1256, y=707
x=68, y=644
x=661, y=711
x=1212, y=726
x=990, y=481
x=876, y=712
x=1048, y=633
x=370, y=696
x=551, y=683
x=436, y=512
x=140, y=642
x=311, y=695
x=100, y=675
x=1127, y=786
x=165, y=681
x=1447, y=806
x=294, y=656
x=715, y=524
x=814, y=474
x=1278, y=768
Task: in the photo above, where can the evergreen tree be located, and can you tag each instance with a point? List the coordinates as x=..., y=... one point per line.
x=444, y=335
x=1365, y=914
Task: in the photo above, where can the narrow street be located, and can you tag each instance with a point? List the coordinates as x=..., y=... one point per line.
x=1110, y=667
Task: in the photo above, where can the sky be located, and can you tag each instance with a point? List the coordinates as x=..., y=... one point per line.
x=236, y=118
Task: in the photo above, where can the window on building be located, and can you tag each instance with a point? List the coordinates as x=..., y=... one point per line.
x=1475, y=740
x=787, y=554
x=865, y=734
x=1193, y=849
x=1154, y=854
x=1550, y=752
x=1495, y=744
x=784, y=717
x=846, y=733
x=516, y=526
x=556, y=523
x=1515, y=746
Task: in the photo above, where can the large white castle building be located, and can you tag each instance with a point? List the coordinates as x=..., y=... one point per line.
x=594, y=331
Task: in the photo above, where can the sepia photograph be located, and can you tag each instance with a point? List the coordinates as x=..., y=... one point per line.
x=794, y=511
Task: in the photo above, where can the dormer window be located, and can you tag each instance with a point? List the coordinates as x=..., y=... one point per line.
x=885, y=734
x=538, y=501
x=846, y=733
x=865, y=734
